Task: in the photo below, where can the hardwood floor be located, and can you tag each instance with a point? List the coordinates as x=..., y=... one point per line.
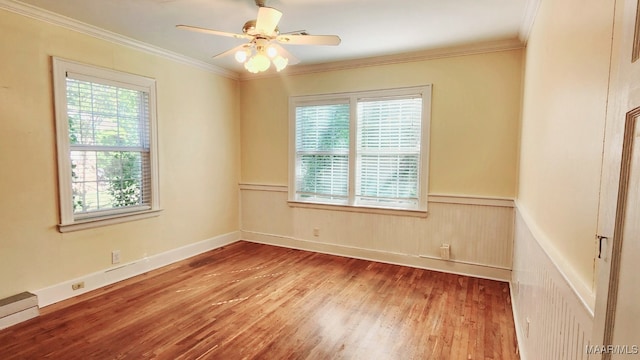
x=252, y=301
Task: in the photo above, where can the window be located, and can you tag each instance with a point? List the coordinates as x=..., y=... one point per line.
x=322, y=152
x=107, y=166
x=365, y=149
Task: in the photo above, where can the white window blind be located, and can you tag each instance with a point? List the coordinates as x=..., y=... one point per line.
x=322, y=152
x=365, y=149
x=109, y=146
x=388, y=149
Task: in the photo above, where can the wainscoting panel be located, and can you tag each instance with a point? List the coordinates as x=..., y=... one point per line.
x=551, y=320
x=479, y=232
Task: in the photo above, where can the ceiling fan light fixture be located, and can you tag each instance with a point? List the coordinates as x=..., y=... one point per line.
x=261, y=59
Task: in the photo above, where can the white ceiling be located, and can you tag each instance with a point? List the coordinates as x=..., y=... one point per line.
x=368, y=28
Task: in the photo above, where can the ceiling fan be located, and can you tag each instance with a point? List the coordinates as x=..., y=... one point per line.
x=264, y=39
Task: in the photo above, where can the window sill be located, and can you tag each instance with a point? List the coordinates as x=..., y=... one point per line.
x=359, y=209
x=105, y=221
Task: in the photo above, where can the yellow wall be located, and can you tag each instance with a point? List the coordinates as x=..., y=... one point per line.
x=474, y=124
x=202, y=118
x=565, y=92
x=199, y=160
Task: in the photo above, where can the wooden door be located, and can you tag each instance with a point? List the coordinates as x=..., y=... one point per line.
x=617, y=313
x=625, y=327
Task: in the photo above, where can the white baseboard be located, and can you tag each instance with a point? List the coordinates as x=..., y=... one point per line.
x=520, y=337
x=453, y=267
x=19, y=317
x=63, y=291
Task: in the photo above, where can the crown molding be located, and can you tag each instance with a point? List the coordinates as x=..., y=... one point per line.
x=453, y=51
x=34, y=12
x=529, y=17
x=102, y=34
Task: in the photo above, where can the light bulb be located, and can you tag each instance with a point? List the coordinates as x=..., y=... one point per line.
x=272, y=51
x=261, y=62
x=280, y=62
x=251, y=66
x=241, y=56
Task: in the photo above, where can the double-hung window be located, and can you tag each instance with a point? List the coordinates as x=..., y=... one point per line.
x=107, y=165
x=365, y=149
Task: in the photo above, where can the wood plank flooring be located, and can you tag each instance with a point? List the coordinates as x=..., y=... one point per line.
x=252, y=301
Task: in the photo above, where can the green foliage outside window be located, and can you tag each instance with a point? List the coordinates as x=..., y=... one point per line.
x=76, y=195
x=124, y=179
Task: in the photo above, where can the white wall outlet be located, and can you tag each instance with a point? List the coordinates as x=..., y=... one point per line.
x=115, y=257
x=445, y=251
x=316, y=232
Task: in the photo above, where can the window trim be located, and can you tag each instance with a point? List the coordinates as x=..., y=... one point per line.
x=352, y=98
x=69, y=222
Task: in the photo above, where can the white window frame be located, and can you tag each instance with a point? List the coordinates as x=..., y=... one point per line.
x=69, y=221
x=352, y=98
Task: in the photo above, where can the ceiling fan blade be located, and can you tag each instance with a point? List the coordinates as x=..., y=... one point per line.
x=284, y=53
x=213, y=32
x=231, y=51
x=267, y=20
x=297, y=32
x=309, y=39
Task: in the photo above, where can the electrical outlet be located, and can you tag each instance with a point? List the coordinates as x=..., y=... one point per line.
x=445, y=251
x=316, y=232
x=115, y=257
x=77, y=286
